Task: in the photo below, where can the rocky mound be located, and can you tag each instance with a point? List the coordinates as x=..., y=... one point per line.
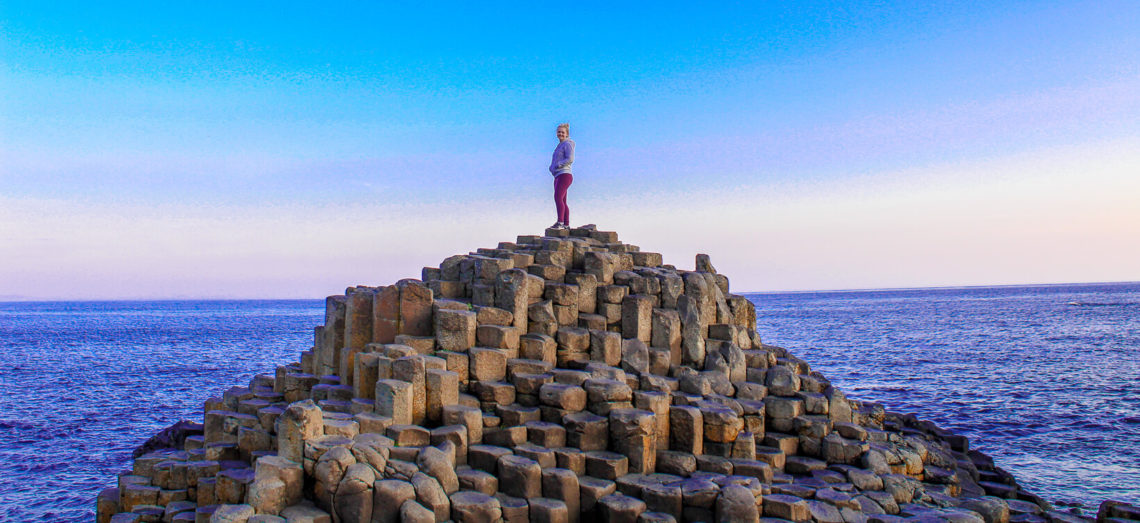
x=567, y=377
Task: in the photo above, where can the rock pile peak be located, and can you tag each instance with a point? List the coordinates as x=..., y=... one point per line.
x=563, y=377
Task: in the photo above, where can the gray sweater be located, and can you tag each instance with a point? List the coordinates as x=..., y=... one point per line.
x=563, y=158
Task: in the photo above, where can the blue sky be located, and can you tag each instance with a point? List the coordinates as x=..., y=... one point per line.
x=289, y=150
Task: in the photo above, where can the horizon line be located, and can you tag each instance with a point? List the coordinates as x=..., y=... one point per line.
x=29, y=299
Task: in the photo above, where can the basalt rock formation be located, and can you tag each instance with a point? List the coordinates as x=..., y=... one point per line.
x=564, y=378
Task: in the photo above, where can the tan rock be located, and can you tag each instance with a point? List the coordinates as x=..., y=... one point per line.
x=388, y=496
x=328, y=472
x=475, y=507
x=290, y=473
x=512, y=294
x=431, y=495
x=394, y=400
x=413, y=512
x=435, y=463
x=519, y=477
x=385, y=314
x=267, y=496
x=415, y=308
x=301, y=421
x=455, y=329
x=235, y=513
x=636, y=317
x=353, y=498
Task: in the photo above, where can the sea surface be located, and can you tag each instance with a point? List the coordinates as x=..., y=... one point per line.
x=1046, y=379
x=82, y=384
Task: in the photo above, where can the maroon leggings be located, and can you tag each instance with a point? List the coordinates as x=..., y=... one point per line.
x=561, y=183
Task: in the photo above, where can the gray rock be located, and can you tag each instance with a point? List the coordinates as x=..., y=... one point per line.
x=824, y=512
x=736, y=504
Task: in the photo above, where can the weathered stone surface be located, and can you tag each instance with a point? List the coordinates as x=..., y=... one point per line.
x=487, y=364
x=237, y=513
x=328, y=472
x=606, y=465
x=430, y=494
x=546, y=509
x=592, y=489
x=267, y=496
x=601, y=265
x=663, y=498
x=413, y=512
x=992, y=509
x=435, y=463
x=512, y=295
x=586, y=431
x=300, y=422
x=824, y=512
x=786, y=507
x=686, y=429
x=387, y=496
x=736, y=504
x=455, y=329
x=520, y=477
x=442, y=389
x=232, y=485
x=353, y=498
x=394, y=399
x=634, y=356
x=619, y=508
x=636, y=319
x=306, y=514
x=633, y=434
x=413, y=371
x=490, y=392
x=692, y=332
x=332, y=335
x=475, y=507
x=415, y=308
x=567, y=397
x=477, y=480
x=514, y=509
x=606, y=347
x=562, y=484
x=385, y=314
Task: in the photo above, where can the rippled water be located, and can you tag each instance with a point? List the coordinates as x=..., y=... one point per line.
x=83, y=384
x=1047, y=388
x=1046, y=379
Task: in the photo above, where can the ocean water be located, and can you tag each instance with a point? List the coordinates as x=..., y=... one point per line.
x=1045, y=379
x=83, y=384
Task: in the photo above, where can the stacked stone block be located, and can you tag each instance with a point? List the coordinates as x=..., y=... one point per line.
x=564, y=377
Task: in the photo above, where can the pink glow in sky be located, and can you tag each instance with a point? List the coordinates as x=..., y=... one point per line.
x=220, y=153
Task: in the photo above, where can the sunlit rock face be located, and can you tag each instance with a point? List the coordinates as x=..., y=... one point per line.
x=566, y=377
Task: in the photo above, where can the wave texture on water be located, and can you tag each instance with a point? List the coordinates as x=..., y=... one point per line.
x=1046, y=379
x=86, y=383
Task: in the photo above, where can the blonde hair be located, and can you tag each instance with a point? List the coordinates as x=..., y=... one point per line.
x=564, y=126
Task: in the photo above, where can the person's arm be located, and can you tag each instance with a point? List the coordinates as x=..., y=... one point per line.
x=569, y=155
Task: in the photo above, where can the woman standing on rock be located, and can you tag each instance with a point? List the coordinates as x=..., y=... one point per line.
x=560, y=169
